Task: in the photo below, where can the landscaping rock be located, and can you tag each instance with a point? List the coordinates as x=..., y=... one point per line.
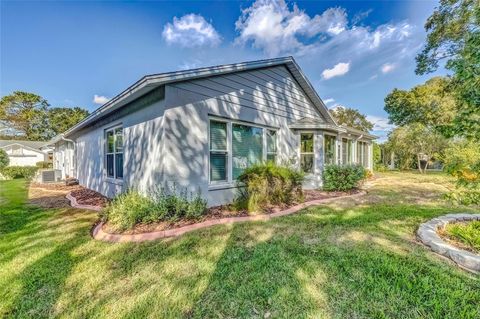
x=427, y=234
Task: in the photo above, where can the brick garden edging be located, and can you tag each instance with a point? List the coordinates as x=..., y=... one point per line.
x=99, y=234
x=427, y=234
x=75, y=204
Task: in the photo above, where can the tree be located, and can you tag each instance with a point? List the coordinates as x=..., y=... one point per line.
x=63, y=118
x=454, y=36
x=29, y=116
x=4, y=160
x=415, y=143
x=351, y=117
x=25, y=112
x=432, y=104
x=462, y=160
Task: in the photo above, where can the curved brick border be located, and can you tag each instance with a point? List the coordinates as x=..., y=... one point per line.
x=75, y=204
x=427, y=234
x=99, y=234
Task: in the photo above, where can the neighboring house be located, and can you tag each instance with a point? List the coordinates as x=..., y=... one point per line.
x=25, y=153
x=201, y=128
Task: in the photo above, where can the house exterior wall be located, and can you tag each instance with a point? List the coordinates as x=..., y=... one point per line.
x=28, y=157
x=142, y=135
x=166, y=134
x=267, y=98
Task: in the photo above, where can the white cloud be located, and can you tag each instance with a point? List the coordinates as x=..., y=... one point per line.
x=328, y=101
x=271, y=26
x=190, y=31
x=373, y=77
x=380, y=123
x=338, y=70
x=388, y=67
x=277, y=28
x=100, y=99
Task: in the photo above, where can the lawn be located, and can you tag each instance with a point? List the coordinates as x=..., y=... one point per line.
x=351, y=259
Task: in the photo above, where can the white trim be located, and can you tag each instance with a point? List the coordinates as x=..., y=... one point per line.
x=334, y=151
x=314, y=168
x=113, y=128
x=230, y=182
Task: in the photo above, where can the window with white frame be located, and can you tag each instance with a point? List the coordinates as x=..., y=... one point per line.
x=114, y=152
x=247, y=147
x=362, y=153
x=271, y=146
x=234, y=146
x=307, y=155
x=329, y=149
x=218, y=152
x=346, y=151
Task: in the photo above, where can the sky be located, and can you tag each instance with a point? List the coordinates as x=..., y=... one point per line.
x=84, y=53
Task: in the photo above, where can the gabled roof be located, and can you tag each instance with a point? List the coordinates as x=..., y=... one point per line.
x=30, y=144
x=150, y=82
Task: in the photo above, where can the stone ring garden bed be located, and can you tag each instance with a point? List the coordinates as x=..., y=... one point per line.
x=99, y=233
x=428, y=235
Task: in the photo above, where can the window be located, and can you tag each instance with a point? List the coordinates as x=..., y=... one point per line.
x=306, y=152
x=247, y=147
x=114, y=152
x=271, y=146
x=218, y=151
x=362, y=153
x=346, y=151
x=329, y=150
x=235, y=146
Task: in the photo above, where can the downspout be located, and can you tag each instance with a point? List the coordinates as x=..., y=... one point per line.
x=74, y=151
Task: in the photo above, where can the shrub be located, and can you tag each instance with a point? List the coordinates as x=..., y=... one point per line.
x=163, y=204
x=380, y=168
x=4, y=159
x=464, y=196
x=267, y=184
x=128, y=209
x=27, y=172
x=44, y=164
x=343, y=177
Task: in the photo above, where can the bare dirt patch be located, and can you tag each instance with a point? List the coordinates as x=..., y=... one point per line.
x=47, y=198
x=52, y=195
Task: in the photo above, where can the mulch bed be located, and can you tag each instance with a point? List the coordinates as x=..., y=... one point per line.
x=85, y=196
x=55, y=186
x=223, y=211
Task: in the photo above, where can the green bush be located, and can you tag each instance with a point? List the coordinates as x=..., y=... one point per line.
x=4, y=159
x=464, y=196
x=343, y=177
x=44, y=164
x=128, y=209
x=163, y=204
x=380, y=168
x=267, y=184
x=27, y=172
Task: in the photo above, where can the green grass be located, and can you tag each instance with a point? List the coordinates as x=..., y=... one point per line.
x=351, y=259
x=466, y=233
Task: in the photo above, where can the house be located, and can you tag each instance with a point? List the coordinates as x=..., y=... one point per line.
x=26, y=153
x=201, y=128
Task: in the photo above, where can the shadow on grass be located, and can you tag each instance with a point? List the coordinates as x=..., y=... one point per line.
x=355, y=260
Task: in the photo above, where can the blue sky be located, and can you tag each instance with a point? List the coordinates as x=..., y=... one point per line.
x=82, y=53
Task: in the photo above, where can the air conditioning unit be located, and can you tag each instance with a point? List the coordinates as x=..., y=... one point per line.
x=50, y=176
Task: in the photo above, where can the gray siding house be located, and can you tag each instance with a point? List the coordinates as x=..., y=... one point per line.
x=200, y=128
